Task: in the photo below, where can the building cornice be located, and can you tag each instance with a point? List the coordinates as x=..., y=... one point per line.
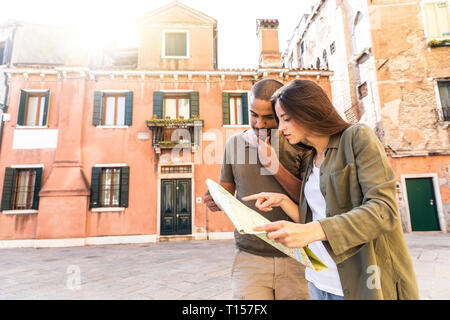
x=64, y=72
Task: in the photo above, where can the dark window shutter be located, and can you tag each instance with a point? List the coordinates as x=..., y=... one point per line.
x=158, y=104
x=128, y=108
x=98, y=109
x=8, y=188
x=95, y=187
x=244, y=99
x=22, y=107
x=124, y=186
x=37, y=188
x=47, y=101
x=194, y=105
x=226, y=107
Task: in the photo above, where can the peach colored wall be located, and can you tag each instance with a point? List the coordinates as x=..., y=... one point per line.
x=439, y=165
x=65, y=217
x=201, y=49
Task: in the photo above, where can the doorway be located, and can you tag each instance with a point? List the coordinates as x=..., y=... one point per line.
x=422, y=204
x=176, y=213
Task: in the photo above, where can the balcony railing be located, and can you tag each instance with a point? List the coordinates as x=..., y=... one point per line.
x=175, y=133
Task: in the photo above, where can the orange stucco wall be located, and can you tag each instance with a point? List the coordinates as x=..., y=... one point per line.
x=64, y=206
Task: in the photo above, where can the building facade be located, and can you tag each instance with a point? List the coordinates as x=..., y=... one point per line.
x=391, y=64
x=116, y=147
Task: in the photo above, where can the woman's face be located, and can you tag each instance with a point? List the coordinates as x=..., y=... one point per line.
x=292, y=131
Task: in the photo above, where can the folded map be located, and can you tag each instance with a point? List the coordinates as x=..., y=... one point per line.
x=245, y=219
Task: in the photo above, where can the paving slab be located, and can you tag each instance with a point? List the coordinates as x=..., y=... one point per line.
x=188, y=270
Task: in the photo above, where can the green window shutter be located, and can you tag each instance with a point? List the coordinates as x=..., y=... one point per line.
x=194, y=104
x=226, y=107
x=124, y=186
x=95, y=188
x=158, y=104
x=98, y=109
x=47, y=100
x=37, y=188
x=244, y=99
x=128, y=108
x=8, y=188
x=22, y=107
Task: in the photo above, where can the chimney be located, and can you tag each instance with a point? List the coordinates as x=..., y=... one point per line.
x=267, y=32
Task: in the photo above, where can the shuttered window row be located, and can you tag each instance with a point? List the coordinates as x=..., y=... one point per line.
x=109, y=188
x=116, y=109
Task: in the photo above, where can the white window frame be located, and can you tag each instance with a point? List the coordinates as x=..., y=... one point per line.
x=438, y=99
x=36, y=91
x=424, y=19
x=248, y=109
x=163, y=48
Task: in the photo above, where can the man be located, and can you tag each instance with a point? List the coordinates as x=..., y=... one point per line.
x=260, y=271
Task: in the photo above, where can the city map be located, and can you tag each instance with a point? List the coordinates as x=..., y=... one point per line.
x=245, y=219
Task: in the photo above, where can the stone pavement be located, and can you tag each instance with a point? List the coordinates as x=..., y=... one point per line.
x=196, y=270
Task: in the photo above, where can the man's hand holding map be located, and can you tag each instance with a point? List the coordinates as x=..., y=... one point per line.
x=245, y=219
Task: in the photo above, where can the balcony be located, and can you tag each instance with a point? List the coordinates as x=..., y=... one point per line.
x=175, y=133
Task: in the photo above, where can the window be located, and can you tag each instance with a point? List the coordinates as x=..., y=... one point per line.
x=33, y=108
x=109, y=187
x=175, y=44
x=437, y=19
x=176, y=106
x=21, y=189
x=113, y=108
x=332, y=47
x=235, y=108
x=2, y=52
x=444, y=95
x=362, y=90
x=176, y=169
x=361, y=34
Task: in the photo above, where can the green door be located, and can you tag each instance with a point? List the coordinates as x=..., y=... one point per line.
x=422, y=204
x=176, y=207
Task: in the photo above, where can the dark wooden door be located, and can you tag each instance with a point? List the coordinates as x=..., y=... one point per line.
x=422, y=204
x=176, y=206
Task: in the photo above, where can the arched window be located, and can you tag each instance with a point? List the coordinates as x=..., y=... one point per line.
x=318, y=63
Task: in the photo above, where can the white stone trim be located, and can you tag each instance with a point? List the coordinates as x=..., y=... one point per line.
x=110, y=165
x=437, y=195
x=175, y=176
x=112, y=127
x=20, y=127
x=77, y=242
x=108, y=209
x=26, y=166
x=20, y=211
x=121, y=239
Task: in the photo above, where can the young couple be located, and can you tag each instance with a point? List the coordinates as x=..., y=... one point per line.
x=333, y=190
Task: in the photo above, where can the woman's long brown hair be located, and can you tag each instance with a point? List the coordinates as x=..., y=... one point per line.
x=309, y=106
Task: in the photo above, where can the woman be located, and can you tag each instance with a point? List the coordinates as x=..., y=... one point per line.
x=347, y=211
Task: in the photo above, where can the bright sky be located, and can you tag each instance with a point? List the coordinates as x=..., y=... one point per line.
x=236, y=20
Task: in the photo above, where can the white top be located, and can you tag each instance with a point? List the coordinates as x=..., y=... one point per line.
x=327, y=280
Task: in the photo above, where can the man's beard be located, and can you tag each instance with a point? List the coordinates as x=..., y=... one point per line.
x=262, y=133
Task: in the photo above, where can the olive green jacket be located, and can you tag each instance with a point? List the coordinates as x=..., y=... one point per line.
x=363, y=228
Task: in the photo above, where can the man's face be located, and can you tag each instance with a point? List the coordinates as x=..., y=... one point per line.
x=262, y=117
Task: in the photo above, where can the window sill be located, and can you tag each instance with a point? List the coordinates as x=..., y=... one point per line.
x=175, y=57
x=236, y=125
x=110, y=209
x=113, y=127
x=31, y=127
x=20, y=211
